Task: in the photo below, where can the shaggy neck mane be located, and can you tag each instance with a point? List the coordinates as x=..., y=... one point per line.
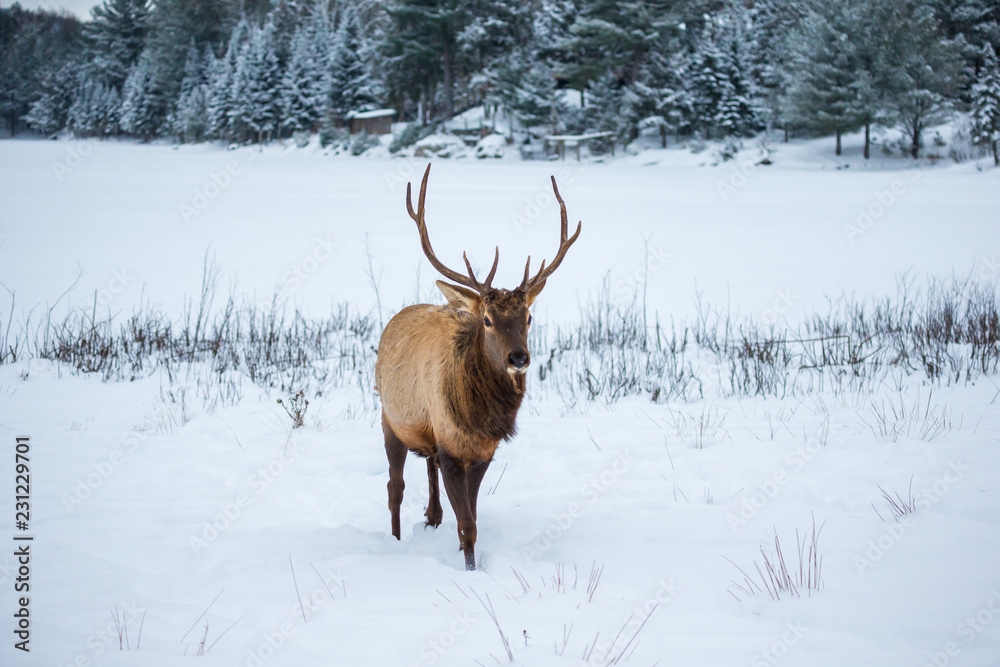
x=482, y=399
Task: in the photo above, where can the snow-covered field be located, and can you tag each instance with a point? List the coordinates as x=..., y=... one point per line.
x=230, y=535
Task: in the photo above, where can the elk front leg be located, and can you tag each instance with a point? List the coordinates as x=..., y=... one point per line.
x=475, y=473
x=456, y=484
x=395, y=451
x=433, y=512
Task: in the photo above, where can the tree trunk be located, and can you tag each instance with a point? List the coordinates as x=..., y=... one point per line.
x=915, y=144
x=663, y=136
x=786, y=134
x=449, y=93
x=868, y=140
x=996, y=153
x=838, y=143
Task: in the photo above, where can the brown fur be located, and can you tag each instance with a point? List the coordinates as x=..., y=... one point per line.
x=444, y=385
x=452, y=378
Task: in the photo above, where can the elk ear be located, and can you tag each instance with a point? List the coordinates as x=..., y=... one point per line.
x=534, y=292
x=459, y=298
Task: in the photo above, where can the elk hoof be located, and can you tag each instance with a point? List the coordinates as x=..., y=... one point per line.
x=433, y=518
x=470, y=560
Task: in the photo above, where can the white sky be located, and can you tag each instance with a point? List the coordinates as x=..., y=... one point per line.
x=79, y=7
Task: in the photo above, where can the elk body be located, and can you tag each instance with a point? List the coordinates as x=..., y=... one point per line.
x=451, y=378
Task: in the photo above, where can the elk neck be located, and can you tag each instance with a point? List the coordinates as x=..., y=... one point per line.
x=483, y=398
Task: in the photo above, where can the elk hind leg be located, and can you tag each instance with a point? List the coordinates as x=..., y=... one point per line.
x=433, y=512
x=395, y=451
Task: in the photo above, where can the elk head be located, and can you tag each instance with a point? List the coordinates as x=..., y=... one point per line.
x=501, y=315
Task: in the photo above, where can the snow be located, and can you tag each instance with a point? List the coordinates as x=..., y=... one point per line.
x=126, y=483
x=375, y=113
x=491, y=146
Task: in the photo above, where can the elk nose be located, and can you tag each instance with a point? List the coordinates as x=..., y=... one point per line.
x=518, y=359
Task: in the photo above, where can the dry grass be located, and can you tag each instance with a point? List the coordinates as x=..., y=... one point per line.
x=774, y=575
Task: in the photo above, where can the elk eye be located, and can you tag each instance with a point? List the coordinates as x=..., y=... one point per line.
x=529, y=318
x=487, y=322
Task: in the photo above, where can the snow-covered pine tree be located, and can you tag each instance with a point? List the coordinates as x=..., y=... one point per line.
x=351, y=86
x=536, y=101
x=220, y=74
x=916, y=67
x=606, y=36
x=708, y=84
x=58, y=85
x=305, y=86
x=254, y=112
x=827, y=81
x=188, y=119
x=774, y=21
x=115, y=36
x=139, y=115
x=985, y=110
x=612, y=107
x=83, y=117
x=737, y=113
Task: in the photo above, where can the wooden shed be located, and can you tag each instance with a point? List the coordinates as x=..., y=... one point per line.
x=378, y=121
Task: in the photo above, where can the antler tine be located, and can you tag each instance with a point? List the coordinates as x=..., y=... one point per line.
x=425, y=243
x=562, y=211
x=564, y=244
x=482, y=286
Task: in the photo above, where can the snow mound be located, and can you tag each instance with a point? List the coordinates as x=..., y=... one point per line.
x=491, y=146
x=440, y=145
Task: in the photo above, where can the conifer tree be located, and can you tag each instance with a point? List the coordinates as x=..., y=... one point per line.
x=139, y=115
x=189, y=118
x=916, y=67
x=828, y=86
x=304, y=86
x=985, y=110
x=115, y=38
x=50, y=110
x=351, y=86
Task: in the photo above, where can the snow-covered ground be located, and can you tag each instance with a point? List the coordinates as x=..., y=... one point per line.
x=231, y=535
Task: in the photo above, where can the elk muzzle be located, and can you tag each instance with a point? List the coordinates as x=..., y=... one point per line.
x=518, y=361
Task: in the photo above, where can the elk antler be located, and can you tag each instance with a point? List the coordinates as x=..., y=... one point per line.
x=425, y=243
x=545, y=271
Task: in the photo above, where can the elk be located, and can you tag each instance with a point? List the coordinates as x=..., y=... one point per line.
x=451, y=378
